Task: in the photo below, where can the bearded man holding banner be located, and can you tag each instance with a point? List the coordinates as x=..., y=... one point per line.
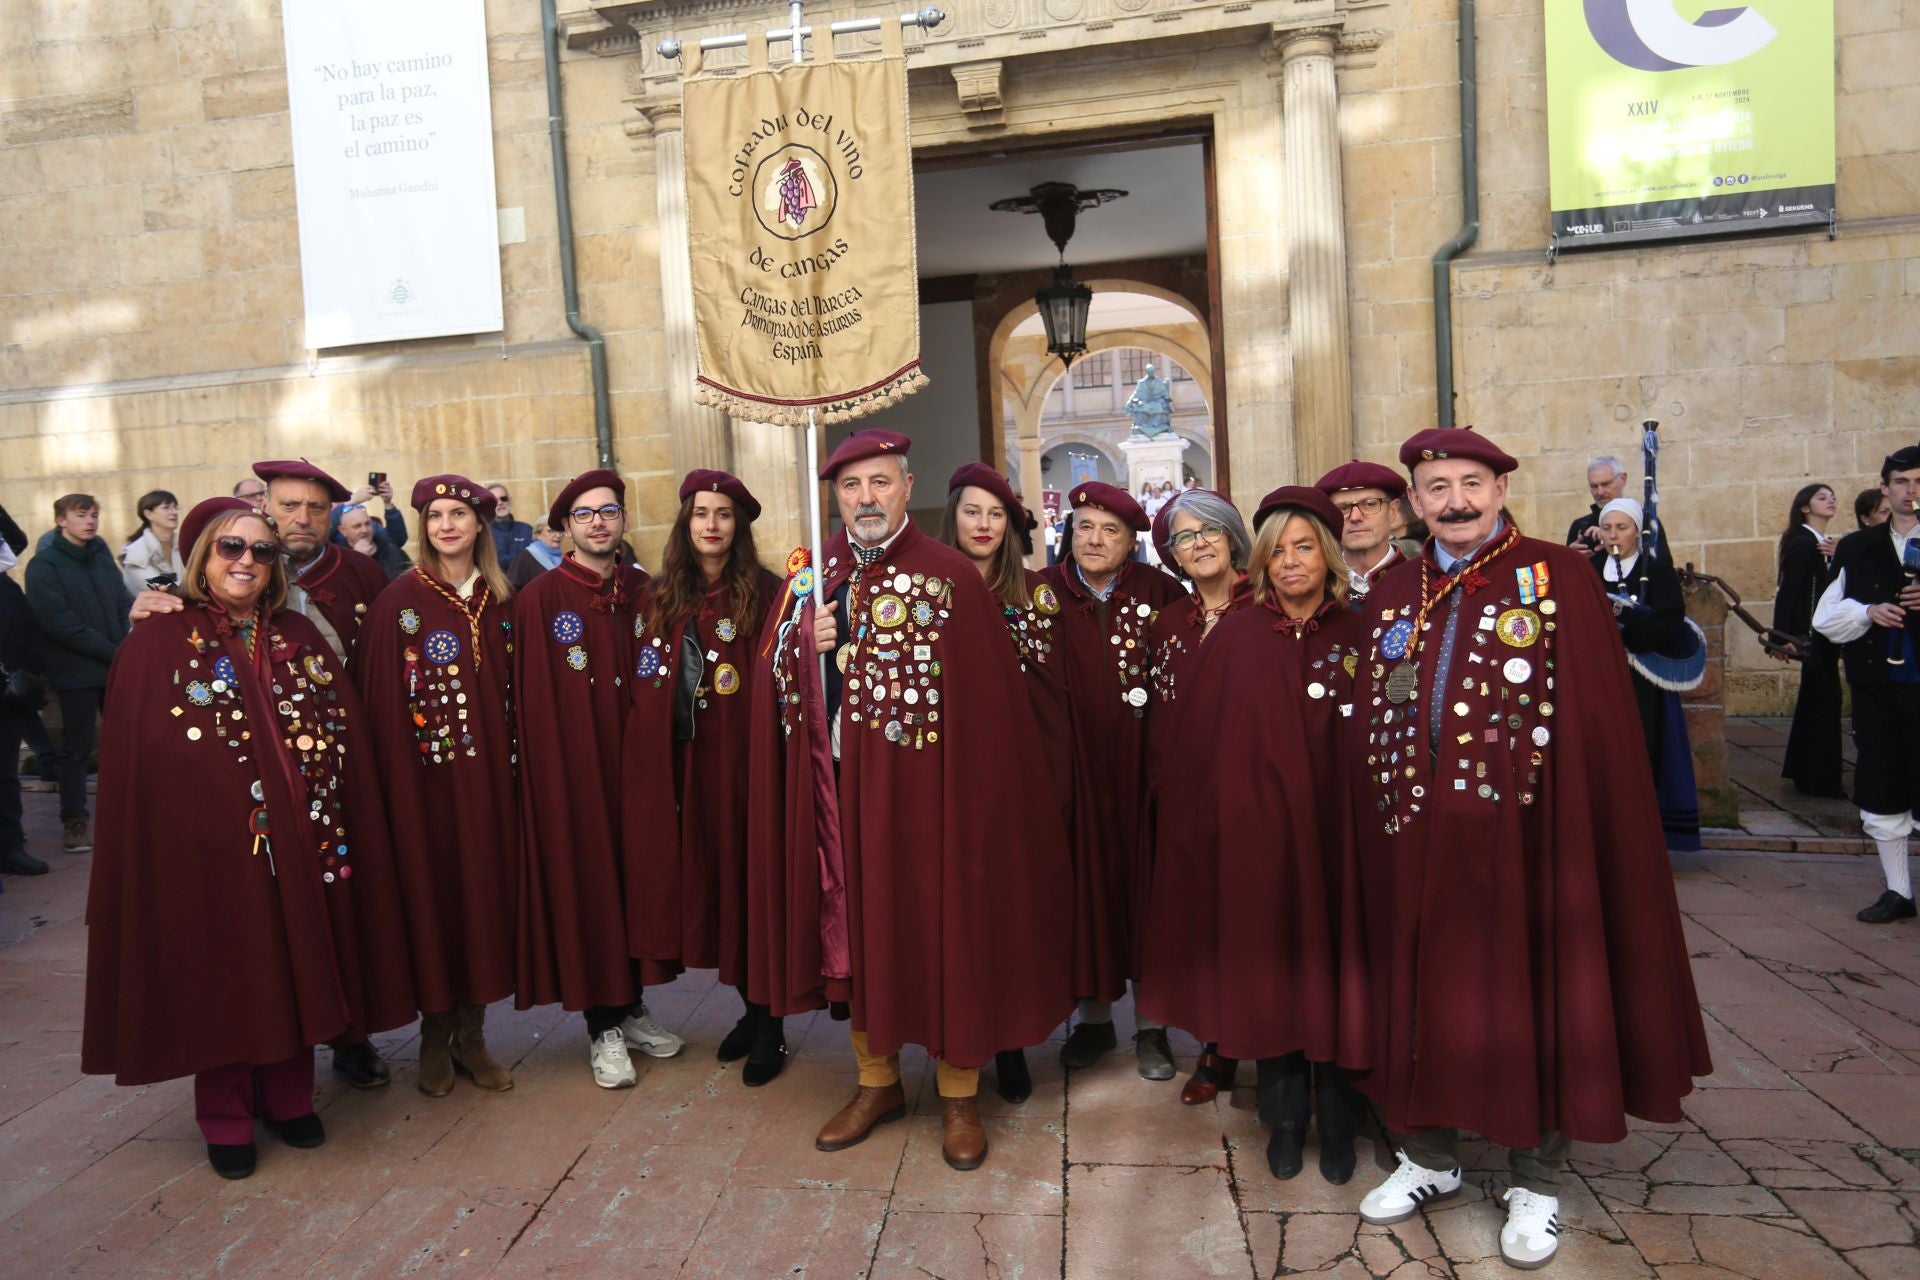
x=954, y=866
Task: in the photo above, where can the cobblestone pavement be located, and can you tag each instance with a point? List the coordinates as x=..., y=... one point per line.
x=1795, y=1160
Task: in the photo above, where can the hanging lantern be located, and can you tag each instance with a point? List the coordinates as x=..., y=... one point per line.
x=1063, y=310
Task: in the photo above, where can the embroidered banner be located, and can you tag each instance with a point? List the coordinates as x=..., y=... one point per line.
x=800, y=219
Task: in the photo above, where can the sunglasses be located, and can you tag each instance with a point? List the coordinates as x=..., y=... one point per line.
x=231, y=548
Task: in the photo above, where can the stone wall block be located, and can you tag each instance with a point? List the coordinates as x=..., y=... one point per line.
x=259, y=92
x=262, y=193
x=73, y=116
x=1883, y=60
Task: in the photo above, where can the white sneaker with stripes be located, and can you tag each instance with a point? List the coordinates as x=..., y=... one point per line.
x=1532, y=1233
x=1406, y=1190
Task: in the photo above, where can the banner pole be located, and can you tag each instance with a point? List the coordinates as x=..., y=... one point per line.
x=798, y=46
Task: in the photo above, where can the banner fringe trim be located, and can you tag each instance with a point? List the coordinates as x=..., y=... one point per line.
x=844, y=407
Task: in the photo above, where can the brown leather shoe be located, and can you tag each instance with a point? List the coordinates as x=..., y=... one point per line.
x=869, y=1108
x=962, y=1139
x=470, y=1053
x=1209, y=1075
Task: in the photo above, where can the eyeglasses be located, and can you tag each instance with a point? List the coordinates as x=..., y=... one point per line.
x=1187, y=537
x=231, y=548
x=1365, y=506
x=585, y=515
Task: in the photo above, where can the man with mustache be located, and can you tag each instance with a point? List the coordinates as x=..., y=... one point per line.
x=1527, y=974
x=955, y=878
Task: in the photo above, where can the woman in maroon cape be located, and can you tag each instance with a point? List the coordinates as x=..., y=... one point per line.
x=1103, y=637
x=986, y=522
x=1258, y=943
x=243, y=906
x=1201, y=534
x=684, y=757
x=431, y=665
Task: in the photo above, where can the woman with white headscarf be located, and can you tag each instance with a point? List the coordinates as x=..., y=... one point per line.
x=1661, y=644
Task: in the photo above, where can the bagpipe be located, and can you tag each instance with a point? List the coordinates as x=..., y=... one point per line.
x=1680, y=664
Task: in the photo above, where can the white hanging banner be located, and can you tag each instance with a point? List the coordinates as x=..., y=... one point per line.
x=393, y=168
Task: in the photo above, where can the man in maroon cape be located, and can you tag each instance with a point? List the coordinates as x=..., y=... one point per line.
x=573, y=654
x=1528, y=976
x=955, y=879
x=332, y=587
x=1364, y=494
x=1108, y=603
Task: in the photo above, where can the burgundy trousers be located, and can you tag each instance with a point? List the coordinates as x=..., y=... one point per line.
x=226, y=1099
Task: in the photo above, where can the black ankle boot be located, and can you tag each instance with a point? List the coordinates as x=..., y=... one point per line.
x=1010, y=1075
x=1336, y=1110
x=768, y=1057
x=1282, y=1090
x=739, y=1041
x=232, y=1161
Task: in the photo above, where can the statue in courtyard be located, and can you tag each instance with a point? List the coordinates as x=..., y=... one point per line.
x=1151, y=405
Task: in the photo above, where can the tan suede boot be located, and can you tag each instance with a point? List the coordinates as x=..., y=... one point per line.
x=436, y=1067
x=470, y=1050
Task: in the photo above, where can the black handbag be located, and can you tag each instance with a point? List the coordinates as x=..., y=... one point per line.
x=23, y=690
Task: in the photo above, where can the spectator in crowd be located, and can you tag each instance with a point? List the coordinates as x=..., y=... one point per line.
x=1870, y=508
x=355, y=526
x=538, y=556
x=510, y=536
x=45, y=759
x=1806, y=568
x=1606, y=480
x=152, y=552
x=393, y=526
x=1651, y=613
x=21, y=692
x=80, y=604
x=252, y=491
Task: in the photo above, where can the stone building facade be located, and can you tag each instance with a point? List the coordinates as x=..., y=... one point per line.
x=150, y=308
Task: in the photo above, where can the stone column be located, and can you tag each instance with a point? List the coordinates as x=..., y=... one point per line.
x=701, y=436
x=1315, y=221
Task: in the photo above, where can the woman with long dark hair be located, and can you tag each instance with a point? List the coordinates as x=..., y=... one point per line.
x=1257, y=945
x=986, y=521
x=155, y=550
x=1806, y=569
x=684, y=760
x=432, y=666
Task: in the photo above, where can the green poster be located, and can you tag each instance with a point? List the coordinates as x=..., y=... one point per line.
x=1673, y=118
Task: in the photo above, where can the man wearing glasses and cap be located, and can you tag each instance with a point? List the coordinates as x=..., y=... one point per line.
x=1365, y=493
x=573, y=655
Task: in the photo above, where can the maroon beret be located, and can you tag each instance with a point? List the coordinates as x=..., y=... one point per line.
x=599, y=478
x=196, y=521
x=471, y=492
x=301, y=469
x=1455, y=442
x=861, y=445
x=1307, y=499
x=701, y=480
x=982, y=476
x=1163, y=524
x=1110, y=498
x=1362, y=475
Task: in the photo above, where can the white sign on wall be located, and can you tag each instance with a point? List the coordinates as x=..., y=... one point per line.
x=393, y=168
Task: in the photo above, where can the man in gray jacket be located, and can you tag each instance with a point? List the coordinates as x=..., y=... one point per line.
x=80, y=604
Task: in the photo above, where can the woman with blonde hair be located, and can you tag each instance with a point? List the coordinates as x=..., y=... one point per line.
x=432, y=667
x=1258, y=946
x=242, y=908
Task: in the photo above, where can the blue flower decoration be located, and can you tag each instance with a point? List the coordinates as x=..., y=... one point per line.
x=223, y=668
x=649, y=664
x=1394, y=643
x=567, y=627
x=442, y=647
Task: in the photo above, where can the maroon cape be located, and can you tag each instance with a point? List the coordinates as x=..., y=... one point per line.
x=442, y=731
x=1527, y=969
x=342, y=583
x=201, y=951
x=956, y=871
x=573, y=656
x=796, y=871
x=1257, y=941
x=1107, y=664
x=1036, y=640
x=686, y=842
